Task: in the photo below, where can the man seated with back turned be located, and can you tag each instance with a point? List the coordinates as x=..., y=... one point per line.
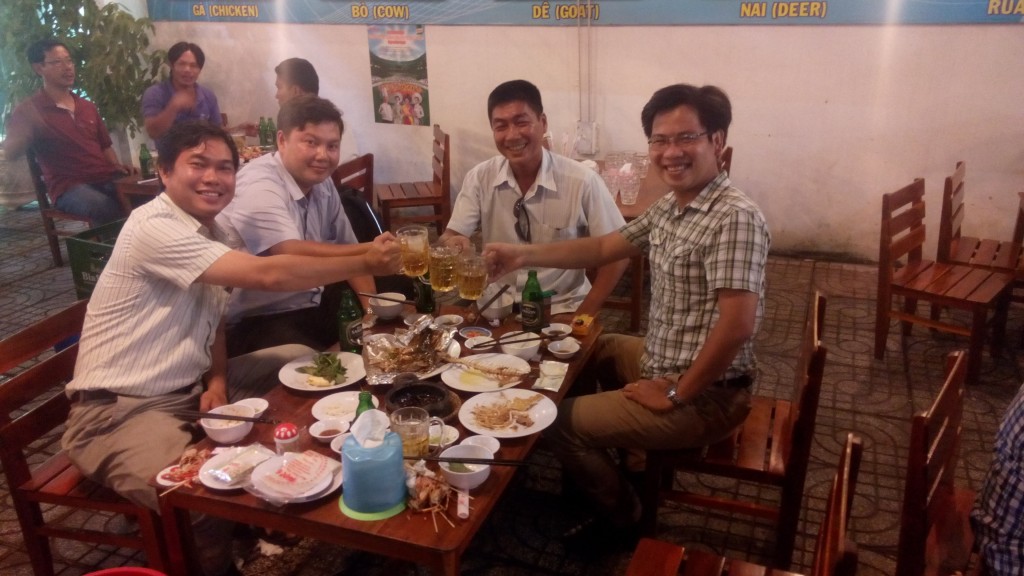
x=297, y=77
x=999, y=507
x=687, y=383
x=153, y=340
x=286, y=203
x=71, y=143
x=532, y=196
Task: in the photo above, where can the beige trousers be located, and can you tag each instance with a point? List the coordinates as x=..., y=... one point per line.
x=589, y=426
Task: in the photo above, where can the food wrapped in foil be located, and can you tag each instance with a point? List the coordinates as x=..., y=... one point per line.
x=420, y=349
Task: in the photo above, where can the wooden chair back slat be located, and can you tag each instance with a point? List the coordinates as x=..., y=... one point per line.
x=42, y=335
x=952, y=215
x=934, y=443
x=46, y=211
x=1018, y=227
x=356, y=174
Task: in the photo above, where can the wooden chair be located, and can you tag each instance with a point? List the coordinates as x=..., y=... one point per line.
x=33, y=407
x=1018, y=238
x=834, y=553
x=435, y=193
x=356, y=174
x=48, y=212
x=935, y=533
x=957, y=286
x=771, y=447
x=955, y=248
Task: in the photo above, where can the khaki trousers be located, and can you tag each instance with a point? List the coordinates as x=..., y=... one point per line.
x=123, y=442
x=589, y=426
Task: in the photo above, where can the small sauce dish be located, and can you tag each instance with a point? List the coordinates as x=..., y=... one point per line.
x=258, y=404
x=327, y=430
x=557, y=330
x=448, y=321
x=564, y=349
x=479, y=343
x=473, y=332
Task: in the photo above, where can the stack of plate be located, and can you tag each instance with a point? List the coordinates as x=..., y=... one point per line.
x=295, y=477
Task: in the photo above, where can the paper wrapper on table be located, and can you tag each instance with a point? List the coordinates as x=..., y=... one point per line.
x=417, y=350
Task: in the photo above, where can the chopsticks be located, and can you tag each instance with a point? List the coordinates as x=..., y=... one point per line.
x=516, y=340
x=491, y=300
x=495, y=462
x=196, y=415
x=389, y=299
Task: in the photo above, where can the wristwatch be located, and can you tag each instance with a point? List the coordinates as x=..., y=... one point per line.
x=673, y=397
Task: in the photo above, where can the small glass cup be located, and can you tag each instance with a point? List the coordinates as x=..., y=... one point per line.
x=412, y=424
x=442, y=267
x=472, y=277
x=415, y=248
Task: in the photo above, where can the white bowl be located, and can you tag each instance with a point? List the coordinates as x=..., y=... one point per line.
x=474, y=344
x=524, y=350
x=498, y=309
x=490, y=443
x=478, y=472
x=412, y=318
x=564, y=349
x=339, y=441
x=228, y=431
x=327, y=430
x=557, y=330
x=443, y=439
x=258, y=404
x=385, y=309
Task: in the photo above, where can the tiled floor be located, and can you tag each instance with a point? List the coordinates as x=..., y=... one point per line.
x=873, y=398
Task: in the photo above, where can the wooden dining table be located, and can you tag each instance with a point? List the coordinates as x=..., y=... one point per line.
x=133, y=191
x=407, y=536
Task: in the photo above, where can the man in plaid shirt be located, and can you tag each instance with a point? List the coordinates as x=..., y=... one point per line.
x=687, y=383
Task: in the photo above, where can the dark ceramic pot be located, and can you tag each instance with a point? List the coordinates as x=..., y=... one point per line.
x=434, y=398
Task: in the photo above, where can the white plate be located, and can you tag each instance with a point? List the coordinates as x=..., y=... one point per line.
x=292, y=378
x=449, y=436
x=340, y=405
x=454, y=350
x=269, y=467
x=162, y=479
x=543, y=413
x=467, y=380
x=335, y=483
x=222, y=458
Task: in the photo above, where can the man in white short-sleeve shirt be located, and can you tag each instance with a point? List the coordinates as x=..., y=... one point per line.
x=286, y=203
x=530, y=196
x=153, y=340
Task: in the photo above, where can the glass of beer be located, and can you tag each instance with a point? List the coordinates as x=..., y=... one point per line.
x=415, y=248
x=472, y=276
x=442, y=267
x=412, y=424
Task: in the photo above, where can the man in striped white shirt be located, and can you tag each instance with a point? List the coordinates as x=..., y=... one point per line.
x=153, y=340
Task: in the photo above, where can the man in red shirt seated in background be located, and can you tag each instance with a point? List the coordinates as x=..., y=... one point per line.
x=71, y=143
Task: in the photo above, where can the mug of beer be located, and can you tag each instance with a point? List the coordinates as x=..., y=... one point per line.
x=472, y=276
x=442, y=267
x=412, y=424
x=414, y=249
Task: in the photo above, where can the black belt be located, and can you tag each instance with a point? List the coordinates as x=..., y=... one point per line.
x=743, y=381
x=99, y=394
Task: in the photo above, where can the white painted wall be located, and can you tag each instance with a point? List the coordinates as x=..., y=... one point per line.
x=826, y=119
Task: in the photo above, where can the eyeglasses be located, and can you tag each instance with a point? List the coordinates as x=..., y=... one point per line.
x=522, y=220
x=61, y=62
x=682, y=140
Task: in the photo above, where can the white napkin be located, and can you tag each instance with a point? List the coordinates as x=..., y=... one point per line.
x=589, y=164
x=626, y=169
x=551, y=375
x=370, y=427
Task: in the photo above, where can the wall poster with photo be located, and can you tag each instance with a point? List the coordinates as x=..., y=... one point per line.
x=398, y=66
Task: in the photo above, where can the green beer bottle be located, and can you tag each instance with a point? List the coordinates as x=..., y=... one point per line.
x=271, y=133
x=365, y=403
x=350, y=323
x=145, y=162
x=531, y=305
x=263, y=131
x=424, y=294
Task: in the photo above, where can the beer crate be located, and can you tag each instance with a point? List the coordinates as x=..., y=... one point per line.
x=89, y=252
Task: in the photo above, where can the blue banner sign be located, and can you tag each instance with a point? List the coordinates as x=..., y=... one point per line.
x=599, y=12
